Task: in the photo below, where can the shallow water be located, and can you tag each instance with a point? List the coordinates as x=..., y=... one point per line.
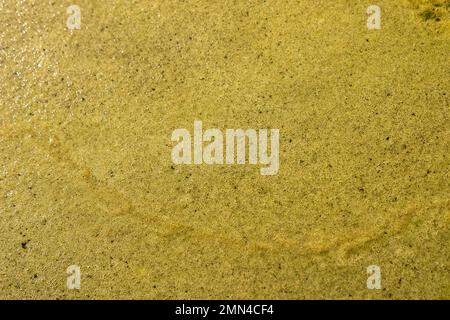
x=87, y=176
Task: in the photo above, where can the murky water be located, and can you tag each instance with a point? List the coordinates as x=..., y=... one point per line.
x=87, y=176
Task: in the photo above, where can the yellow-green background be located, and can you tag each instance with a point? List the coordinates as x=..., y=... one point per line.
x=86, y=175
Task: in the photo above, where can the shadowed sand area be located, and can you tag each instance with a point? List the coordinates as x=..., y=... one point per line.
x=87, y=178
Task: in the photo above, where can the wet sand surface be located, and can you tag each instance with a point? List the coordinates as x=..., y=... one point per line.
x=87, y=178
